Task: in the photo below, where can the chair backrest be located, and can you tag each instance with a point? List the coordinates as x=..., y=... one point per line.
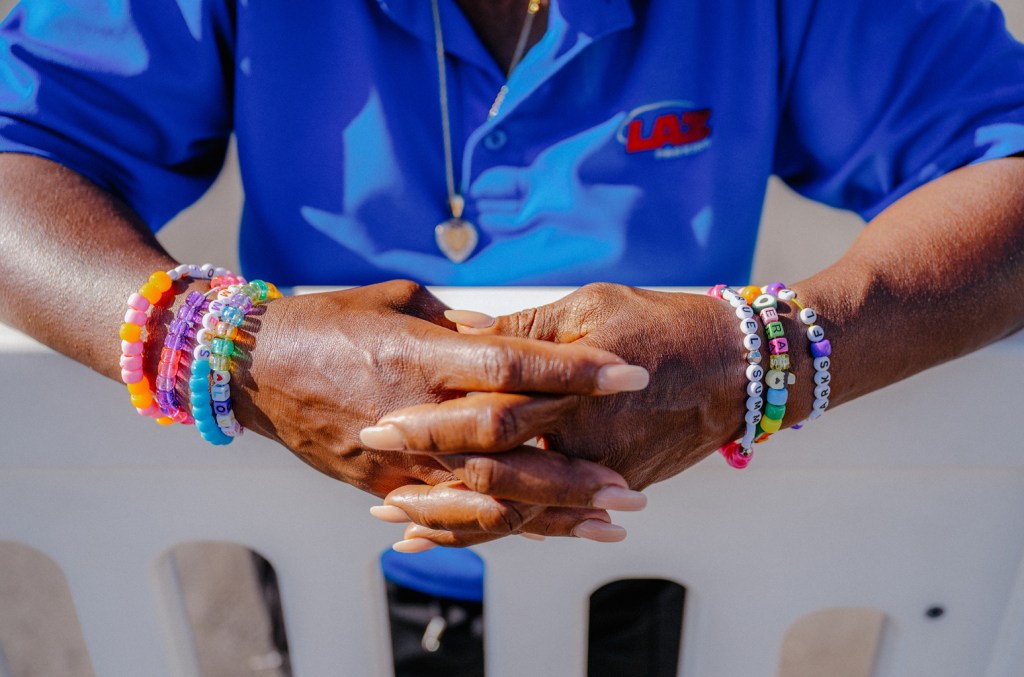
x=908, y=500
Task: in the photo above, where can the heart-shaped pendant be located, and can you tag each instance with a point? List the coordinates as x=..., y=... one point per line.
x=456, y=238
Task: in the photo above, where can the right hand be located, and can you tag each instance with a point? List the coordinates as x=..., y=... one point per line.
x=322, y=367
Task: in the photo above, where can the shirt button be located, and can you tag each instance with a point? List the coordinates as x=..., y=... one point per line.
x=496, y=140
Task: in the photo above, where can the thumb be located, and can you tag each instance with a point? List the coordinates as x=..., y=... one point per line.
x=542, y=323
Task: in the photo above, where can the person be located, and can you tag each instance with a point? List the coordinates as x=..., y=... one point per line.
x=391, y=145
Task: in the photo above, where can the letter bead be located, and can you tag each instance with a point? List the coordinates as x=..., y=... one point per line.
x=820, y=404
x=786, y=294
x=808, y=316
x=764, y=301
x=755, y=388
x=774, y=330
x=752, y=417
x=754, y=403
x=822, y=363
x=778, y=346
x=822, y=377
x=755, y=372
x=221, y=377
x=744, y=312
x=769, y=315
x=822, y=391
x=780, y=362
x=749, y=326
x=751, y=341
x=815, y=333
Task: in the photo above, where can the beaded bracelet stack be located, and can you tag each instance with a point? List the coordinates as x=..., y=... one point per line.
x=761, y=423
x=202, y=329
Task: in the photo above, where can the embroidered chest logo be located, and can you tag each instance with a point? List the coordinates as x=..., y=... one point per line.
x=667, y=129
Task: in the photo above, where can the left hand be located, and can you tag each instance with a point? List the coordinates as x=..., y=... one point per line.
x=689, y=343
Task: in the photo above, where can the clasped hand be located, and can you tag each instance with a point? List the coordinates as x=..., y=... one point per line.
x=560, y=374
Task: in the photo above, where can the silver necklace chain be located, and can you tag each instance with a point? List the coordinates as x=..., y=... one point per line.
x=455, y=200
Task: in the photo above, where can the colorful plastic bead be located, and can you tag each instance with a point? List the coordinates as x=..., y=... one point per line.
x=821, y=348
x=764, y=301
x=774, y=411
x=779, y=362
x=774, y=330
x=769, y=315
x=770, y=425
x=778, y=346
x=749, y=293
x=775, y=379
x=777, y=397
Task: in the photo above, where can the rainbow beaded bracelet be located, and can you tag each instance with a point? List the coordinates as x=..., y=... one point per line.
x=140, y=305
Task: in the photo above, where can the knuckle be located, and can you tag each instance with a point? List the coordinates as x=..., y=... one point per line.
x=404, y=290
x=482, y=474
x=501, y=368
x=500, y=427
x=524, y=323
x=501, y=518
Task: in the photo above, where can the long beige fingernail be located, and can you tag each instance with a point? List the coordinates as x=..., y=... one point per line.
x=470, y=318
x=617, y=378
x=413, y=545
x=532, y=537
x=596, y=530
x=389, y=513
x=619, y=498
x=386, y=437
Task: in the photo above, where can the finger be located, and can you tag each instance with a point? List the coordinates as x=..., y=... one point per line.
x=529, y=475
x=485, y=422
x=546, y=323
x=508, y=364
x=537, y=476
x=561, y=523
x=452, y=506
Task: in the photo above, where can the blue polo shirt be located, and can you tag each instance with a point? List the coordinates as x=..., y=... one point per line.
x=634, y=145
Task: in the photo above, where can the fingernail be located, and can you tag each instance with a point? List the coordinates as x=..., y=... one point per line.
x=532, y=537
x=619, y=498
x=386, y=437
x=616, y=378
x=470, y=318
x=596, y=530
x=412, y=545
x=389, y=513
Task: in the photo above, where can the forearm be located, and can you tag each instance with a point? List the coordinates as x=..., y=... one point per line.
x=937, y=275
x=71, y=256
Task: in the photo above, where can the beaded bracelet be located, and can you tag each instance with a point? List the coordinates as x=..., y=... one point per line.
x=738, y=453
x=199, y=389
x=140, y=305
x=821, y=352
x=216, y=348
x=175, y=343
x=777, y=377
